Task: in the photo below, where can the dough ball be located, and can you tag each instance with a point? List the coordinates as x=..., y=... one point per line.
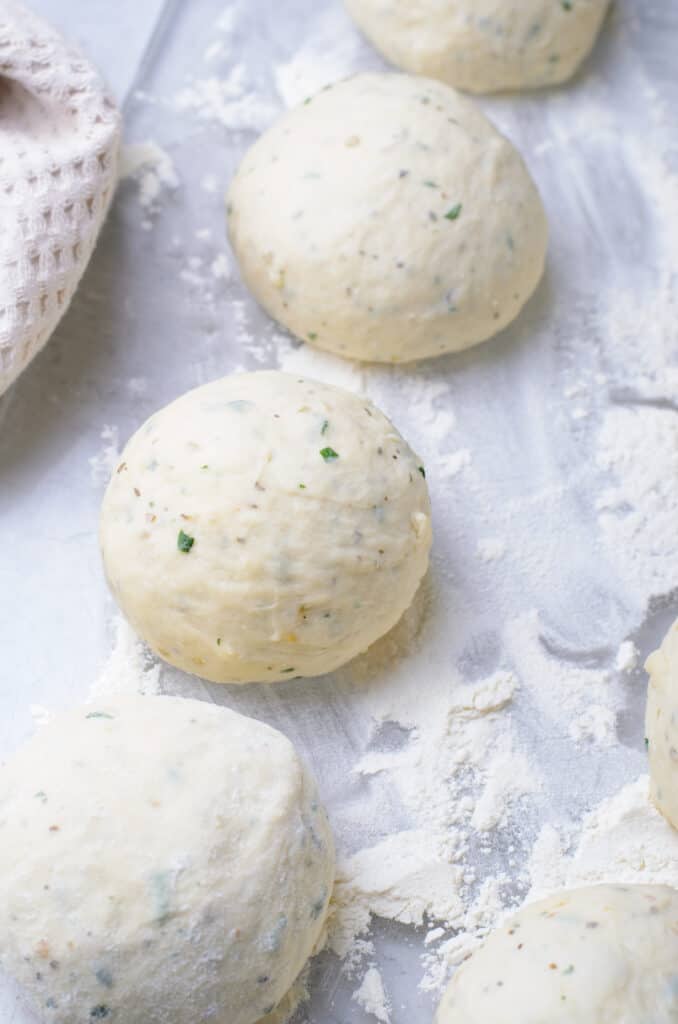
x=606, y=953
x=661, y=725
x=386, y=219
x=264, y=527
x=161, y=860
x=483, y=45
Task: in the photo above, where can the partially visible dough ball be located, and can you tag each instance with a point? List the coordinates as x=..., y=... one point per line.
x=661, y=725
x=264, y=527
x=604, y=954
x=162, y=861
x=386, y=219
x=483, y=45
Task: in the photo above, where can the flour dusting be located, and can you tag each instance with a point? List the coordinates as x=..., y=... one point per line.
x=371, y=996
x=129, y=668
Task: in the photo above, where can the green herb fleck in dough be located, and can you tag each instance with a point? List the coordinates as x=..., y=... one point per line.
x=422, y=471
x=205, y=466
x=104, y=977
x=312, y=336
x=218, y=641
x=329, y=454
x=318, y=905
x=42, y=796
x=647, y=744
x=430, y=184
x=184, y=542
x=99, y=1012
x=453, y=214
x=284, y=671
x=99, y=714
x=566, y=5
x=324, y=427
x=302, y=487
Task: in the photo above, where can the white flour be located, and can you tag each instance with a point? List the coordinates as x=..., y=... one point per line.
x=638, y=513
x=372, y=997
x=103, y=463
x=627, y=657
x=129, y=667
x=624, y=839
x=153, y=170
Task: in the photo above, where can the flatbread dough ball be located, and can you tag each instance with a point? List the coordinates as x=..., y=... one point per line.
x=661, y=725
x=483, y=45
x=386, y=219
x=264, y=527
x=162, y=861
x=606, y=953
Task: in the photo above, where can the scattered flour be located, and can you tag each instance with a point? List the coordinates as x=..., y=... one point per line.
x=229, y=101
x=152, y=168
x=104, y=462
x=129, y=668
x=327, y=54
x=209, y=183
x=638, y=511
x=491, y=549
x=372, y=997
x=627, y=657
x=624, y=839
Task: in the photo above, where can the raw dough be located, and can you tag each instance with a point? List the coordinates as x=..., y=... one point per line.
x=661, y=725
x=162, y=861
x=483, y=45
x=605, y=954
x=264, y=527
x=386, y=219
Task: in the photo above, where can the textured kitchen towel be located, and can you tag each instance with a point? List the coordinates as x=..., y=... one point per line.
x=59, y=141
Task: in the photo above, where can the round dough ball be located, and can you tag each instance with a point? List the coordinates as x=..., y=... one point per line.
x=161, y=860
x=483, y=45
x=606, y=953
x=264, y=527
x=661, y=725
x=386, y=219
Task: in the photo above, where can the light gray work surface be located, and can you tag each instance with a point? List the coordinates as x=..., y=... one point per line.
x=145, y=326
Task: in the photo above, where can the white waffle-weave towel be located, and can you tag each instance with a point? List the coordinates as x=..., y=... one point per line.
x=59, y=143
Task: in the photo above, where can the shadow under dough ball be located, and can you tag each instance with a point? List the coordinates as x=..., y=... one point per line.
x=264, y=527
x=161, y=860
x=483, y=46
x=583, y=956
x=386, y=219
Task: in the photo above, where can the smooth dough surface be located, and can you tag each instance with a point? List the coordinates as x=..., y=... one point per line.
x=386, y=219
x=306, y=526
x=661, y=725
x=162, y=861
x=605, y=954
x=483, y=45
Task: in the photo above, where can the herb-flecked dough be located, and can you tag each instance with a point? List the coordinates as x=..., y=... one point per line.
x=264, y=527
x=162, y=861
x=661, y=725
x=605, y=954
x=386, y=219
x=483, y=46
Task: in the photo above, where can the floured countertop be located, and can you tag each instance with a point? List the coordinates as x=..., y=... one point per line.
x=492, y=744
